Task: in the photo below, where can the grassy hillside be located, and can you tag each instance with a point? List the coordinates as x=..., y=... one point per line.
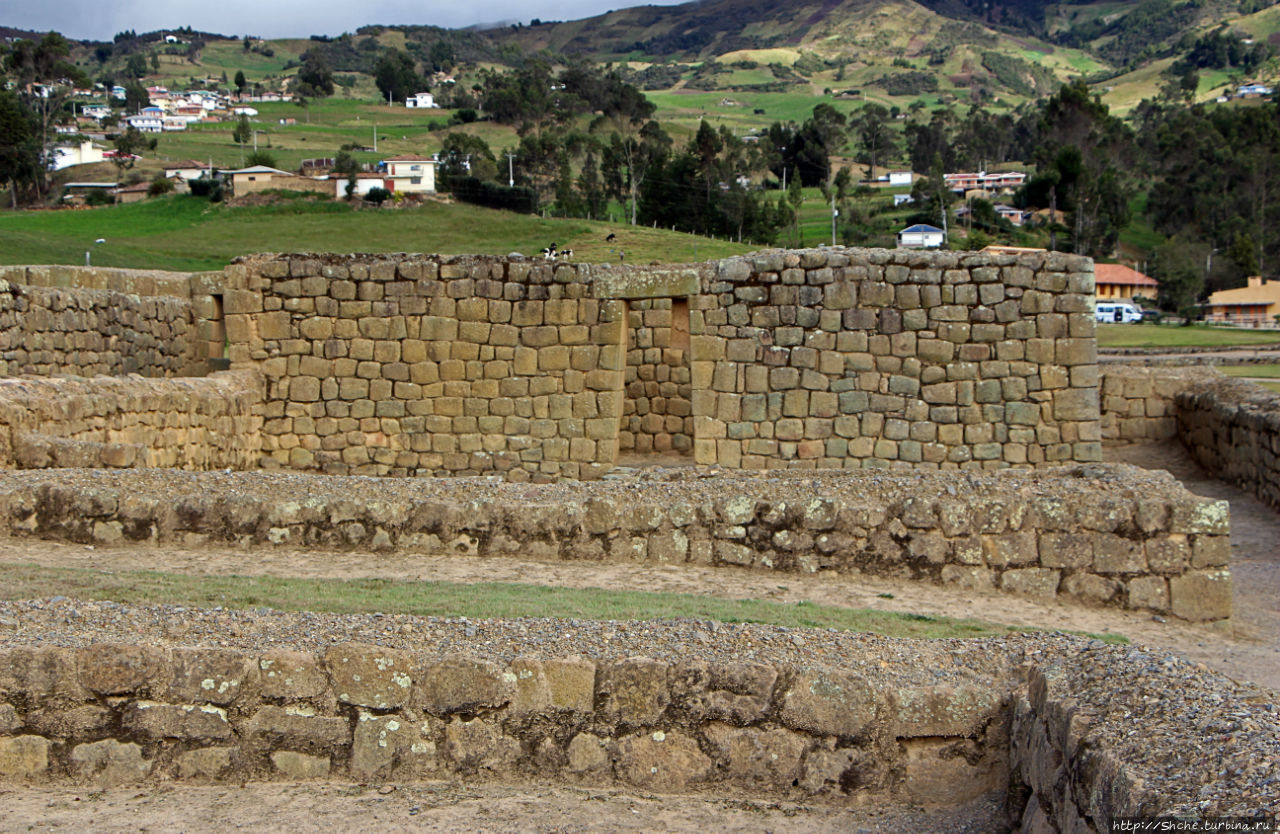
x=186, y=233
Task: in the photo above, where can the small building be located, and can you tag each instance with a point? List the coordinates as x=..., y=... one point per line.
x=993, y=182
x=902, y=199
x=244, y=110
x=147, y=122
x=1015, y=216
x=133, y=193
x=1255, y=305
x=364, y=184
x=420, y=100
x=64, y=156
x=900, y=178
x=1253, y=91
x=187, y=170
x=1117, y=281
x=410, y=174
x=921, y=236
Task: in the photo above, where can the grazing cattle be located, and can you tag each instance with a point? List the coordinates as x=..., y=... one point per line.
x=611, y=238
x=566, y=254
x=550, y=252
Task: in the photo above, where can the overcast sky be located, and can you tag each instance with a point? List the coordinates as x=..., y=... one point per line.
x=101, y=19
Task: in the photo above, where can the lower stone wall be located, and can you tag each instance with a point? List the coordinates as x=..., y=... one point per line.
x=1067, y=733
x=1139, y=401
x=189, y=423
x=1103, y=534
x=657, y=413
x=1232, y=429
x=116, y=714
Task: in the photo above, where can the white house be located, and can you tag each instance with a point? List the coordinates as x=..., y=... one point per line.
x=921, y=236
x=147, y=122
x=172, y=123
x=244, y=110
x=900, y=199
x=64, y=156
x=186, y=170
x=364, y=184
x=899, y=178
x=420, y=100
x=96, y=111
x=411, y=173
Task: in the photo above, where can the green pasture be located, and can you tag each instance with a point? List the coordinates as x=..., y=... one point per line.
x=188, y=233
x=478, y=601
x=1252, y=371
x=1174, y=335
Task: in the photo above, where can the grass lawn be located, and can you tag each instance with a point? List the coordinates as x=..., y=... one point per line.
x=1255, y=371
x=1173, y=335
x=481, y=600
x=187, y=233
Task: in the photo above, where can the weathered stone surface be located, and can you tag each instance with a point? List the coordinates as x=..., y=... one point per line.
x=464, y=685
x=299, y=766
x=938, y=772
x=188, y=722
x=213, y=676
x=768, y=758
x=205, y=764
x=739, y=692
x=661, y=761
x=9, y=719
x=23, y=756
x=369, y=676
x=831, y=703
x=290, y=675
x=108, y=763
x=297, y=726
x=378, y=742
x=588, y=755
x=119, y=669
x=1201, y=595
x=41, y=676
x=942, y=711
x=635, y=691
x=479, y=745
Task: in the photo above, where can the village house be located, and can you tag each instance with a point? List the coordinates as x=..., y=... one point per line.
x=363, y=185
x=1254, y=305
x=410, y=174
x=921, y=236
x=186, y=170
x=1117, y=281
x=420, y=100
x=995, y=182
x=64, y=156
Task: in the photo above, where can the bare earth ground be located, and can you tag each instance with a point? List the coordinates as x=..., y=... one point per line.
x=1247, y=648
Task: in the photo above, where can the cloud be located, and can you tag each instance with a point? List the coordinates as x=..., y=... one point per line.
x=96, y=20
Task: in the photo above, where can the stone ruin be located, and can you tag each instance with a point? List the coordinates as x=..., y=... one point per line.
x=967, y=383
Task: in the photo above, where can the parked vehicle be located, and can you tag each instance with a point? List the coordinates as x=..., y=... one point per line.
x=1119, y=312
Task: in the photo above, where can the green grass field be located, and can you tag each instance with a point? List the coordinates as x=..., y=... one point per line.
x=187, y=233
x=1253, y=371
x=478, y=600
x=1172, y=335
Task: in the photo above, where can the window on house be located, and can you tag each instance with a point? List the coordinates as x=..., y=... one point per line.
x=416, y=180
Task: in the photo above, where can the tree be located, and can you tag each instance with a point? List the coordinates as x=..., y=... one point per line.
x=136, y=66
x=1179, y=266
x=315, y=79
x=396, y=76
x=241, y=82
x=346, y=164
x=876, y=138
x=135, y=97
x=20, y=147
x=242, y=134
x=264, y=158
x=128, y=144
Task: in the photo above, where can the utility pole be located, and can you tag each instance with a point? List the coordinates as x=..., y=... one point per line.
x=375, y=137
x=835, y=212
x=511, y=171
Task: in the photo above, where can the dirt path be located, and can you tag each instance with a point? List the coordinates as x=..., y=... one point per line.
x=1248, y=648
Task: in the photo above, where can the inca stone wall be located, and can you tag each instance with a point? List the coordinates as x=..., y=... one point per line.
x=1101, y=534
x=1139, y=402
x=1046, y=730
x=816, y=359
x=190, y=423
x=86, y=321
x=1232, y=429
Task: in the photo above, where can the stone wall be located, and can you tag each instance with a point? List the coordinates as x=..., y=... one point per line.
x=1232, y=429
x=1139, y=402
x=657, y=415
x=833, y=358
x=208, y=423
x=872, y=357
x=116, y=714
x=91, y=321
x=424, y=365
x=1067, y=734
x=1101, y=534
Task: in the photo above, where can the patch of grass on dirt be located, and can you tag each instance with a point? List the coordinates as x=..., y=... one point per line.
x=480, y=600
x=1174, y=335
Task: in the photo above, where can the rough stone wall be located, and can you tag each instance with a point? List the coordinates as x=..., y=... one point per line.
x=1102, y=534
x=88, y=321
x=404, y=365
x=1139, y=401
x=1232, y=429
x=114, y=714
x=871, y=357
x=657, y=415
x=207, y=423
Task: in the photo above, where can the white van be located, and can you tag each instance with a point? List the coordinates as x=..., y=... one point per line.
x=1118, y=312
